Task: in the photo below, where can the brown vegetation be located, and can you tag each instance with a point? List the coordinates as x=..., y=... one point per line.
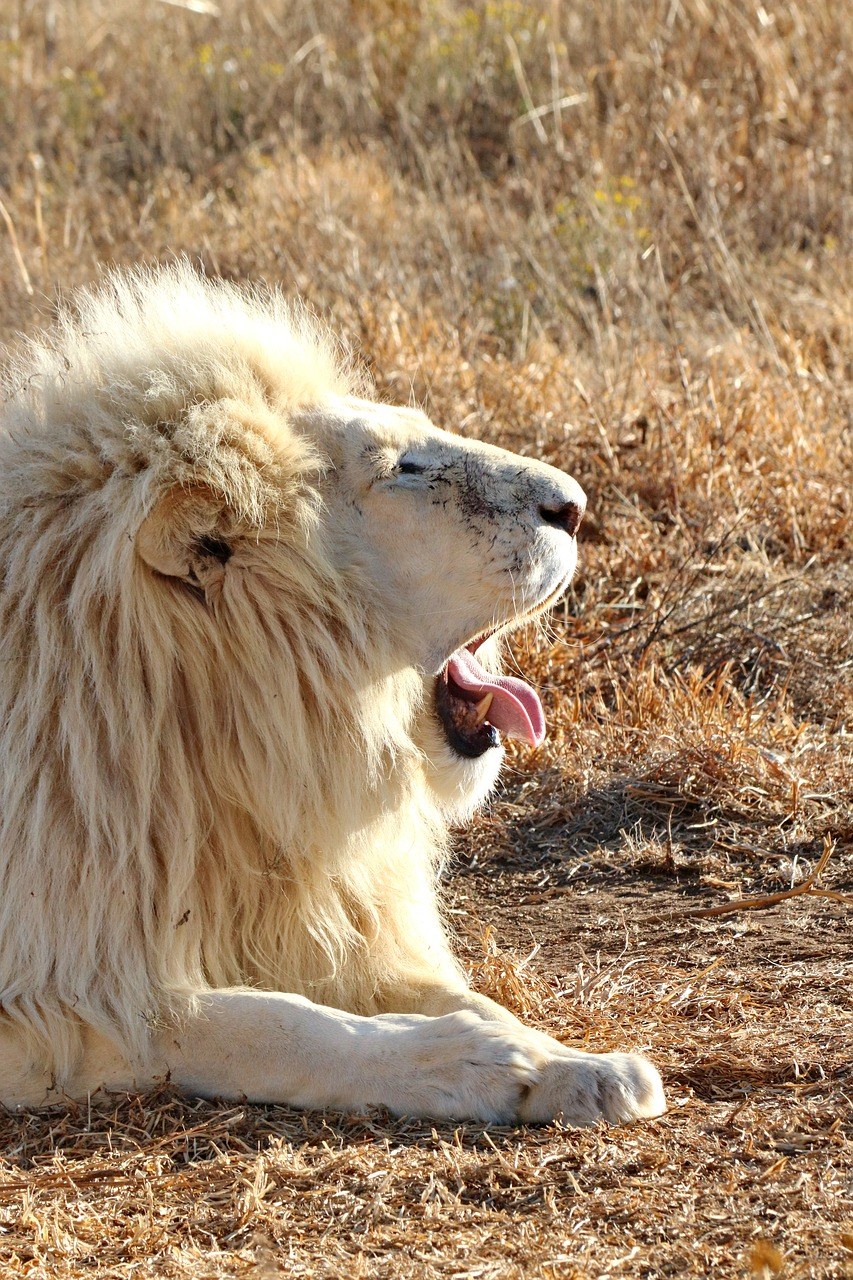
x=615, y=236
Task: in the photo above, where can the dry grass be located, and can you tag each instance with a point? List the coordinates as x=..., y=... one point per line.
x=614, y=236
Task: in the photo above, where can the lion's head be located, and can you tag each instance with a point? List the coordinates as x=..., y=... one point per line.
x=417, y=550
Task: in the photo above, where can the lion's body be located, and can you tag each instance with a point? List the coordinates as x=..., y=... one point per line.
x=219, y=770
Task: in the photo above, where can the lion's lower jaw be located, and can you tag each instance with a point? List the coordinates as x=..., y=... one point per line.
x=460, y=786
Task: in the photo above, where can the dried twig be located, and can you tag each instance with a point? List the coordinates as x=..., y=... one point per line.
x=19, y=257
x=762, y=901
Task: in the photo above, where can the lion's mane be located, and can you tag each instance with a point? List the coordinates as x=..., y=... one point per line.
x=191, y=795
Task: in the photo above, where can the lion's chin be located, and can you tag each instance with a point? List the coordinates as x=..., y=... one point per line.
x=459, y=784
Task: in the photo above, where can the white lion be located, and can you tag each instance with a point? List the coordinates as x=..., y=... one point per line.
x=250, y=629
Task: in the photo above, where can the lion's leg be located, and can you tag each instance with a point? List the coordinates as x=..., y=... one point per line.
x=459, y=1055
x=578, y=1087
x=269, y=1047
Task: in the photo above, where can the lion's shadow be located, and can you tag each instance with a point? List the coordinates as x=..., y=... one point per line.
x=653, y=812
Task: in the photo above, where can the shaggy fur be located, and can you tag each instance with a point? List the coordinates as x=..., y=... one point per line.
x=220, y=771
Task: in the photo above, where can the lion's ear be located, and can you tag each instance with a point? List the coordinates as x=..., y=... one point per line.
x=187, y=535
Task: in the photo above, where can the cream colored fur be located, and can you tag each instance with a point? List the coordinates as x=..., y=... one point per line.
x=224, y=792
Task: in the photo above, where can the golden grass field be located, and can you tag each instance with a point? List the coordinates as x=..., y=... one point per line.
x=615, y=236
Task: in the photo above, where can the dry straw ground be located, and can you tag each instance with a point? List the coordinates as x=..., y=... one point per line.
x=615, y=236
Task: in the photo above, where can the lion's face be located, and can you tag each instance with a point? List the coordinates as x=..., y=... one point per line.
x=458, y=541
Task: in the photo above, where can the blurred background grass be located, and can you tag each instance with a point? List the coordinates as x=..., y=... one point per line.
x=574, y=172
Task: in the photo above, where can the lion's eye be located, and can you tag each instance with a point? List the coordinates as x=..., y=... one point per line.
x=404, y=473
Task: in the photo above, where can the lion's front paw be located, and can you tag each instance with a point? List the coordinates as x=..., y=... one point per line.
x=583, y=1088
x=464, y=1068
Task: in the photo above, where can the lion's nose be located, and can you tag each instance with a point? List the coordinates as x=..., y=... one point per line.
x=565, y=515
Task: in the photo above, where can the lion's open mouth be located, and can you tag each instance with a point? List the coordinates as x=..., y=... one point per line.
x=475, y=707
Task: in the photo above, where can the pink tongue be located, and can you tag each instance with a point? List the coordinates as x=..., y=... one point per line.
x=515, y=708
